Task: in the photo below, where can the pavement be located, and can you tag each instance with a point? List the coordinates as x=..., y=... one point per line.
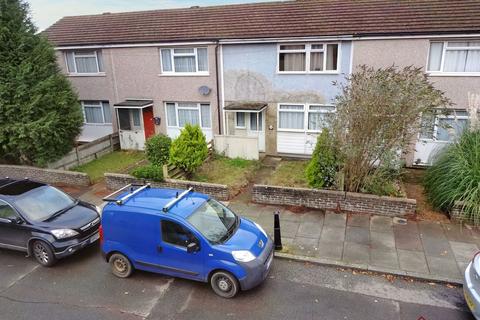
x=424, y=249
x=82, y=287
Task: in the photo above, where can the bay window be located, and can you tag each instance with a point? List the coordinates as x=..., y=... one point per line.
x=184, y=60
x=454, y=57
x=309, y=58
x=96, y=112
x=84, y=61
x=181, y=113
x=299, y=117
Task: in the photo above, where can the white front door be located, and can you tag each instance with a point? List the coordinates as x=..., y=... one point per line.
x=440, y=133
x=256, y=128
x=130, y=129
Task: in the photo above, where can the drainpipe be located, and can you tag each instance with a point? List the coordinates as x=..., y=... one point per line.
x=219, y=113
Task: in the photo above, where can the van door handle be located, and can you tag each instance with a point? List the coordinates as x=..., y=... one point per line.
x=159, y=249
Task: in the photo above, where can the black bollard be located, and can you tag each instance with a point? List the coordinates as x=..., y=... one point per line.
x=277, y=237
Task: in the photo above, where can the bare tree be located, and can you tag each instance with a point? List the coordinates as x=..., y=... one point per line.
x=378, y=112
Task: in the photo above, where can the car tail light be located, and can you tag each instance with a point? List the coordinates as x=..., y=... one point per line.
x=100, y=233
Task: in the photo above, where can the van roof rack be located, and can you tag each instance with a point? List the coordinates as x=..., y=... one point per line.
x=133, y=189
x=177, y=199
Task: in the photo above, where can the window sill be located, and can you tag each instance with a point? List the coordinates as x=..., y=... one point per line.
x=184, y=74
x=98, y=124
x=309, y=73
x=453, y=74
x=101, y=74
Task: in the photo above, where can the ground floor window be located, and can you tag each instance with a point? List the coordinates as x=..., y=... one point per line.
x=96, y=112
x=301, y=117
x=444, y=128
x=240, y=120
x=181, y=113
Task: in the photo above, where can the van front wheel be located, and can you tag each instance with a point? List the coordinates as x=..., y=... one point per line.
x=224, y=284
x=121, y=266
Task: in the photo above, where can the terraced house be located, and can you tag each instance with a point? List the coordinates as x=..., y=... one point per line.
x=263, y=72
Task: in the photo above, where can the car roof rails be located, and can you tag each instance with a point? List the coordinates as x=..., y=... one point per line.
x=132, y=191
x=177, y=199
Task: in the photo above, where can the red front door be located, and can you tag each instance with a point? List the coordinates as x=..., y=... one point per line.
x=148, y=122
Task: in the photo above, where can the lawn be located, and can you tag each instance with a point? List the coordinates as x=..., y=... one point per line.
x=289, y=173
x=234, y=173
x=117, y=162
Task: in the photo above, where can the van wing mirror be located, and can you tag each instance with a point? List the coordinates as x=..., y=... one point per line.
x=192, y=247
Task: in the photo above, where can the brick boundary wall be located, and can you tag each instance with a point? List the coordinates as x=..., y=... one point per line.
x=456, y=214
x=116, y=181
x=334, y=200
x=51, y=176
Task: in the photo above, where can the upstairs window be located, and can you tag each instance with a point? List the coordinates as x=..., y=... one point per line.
x=84, y=61
x=308, y=58
x=184, y=60
x=96, y=112
x=454, y=57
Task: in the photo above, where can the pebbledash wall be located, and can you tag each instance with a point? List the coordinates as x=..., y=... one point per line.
x=116, y=181
x=334, y=200
x=50, y=176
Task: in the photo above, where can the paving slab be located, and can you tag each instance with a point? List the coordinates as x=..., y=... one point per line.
x=446, y=267
x=286, y=215
x=356, y=253
x=386, y=258
x=407, y=240
x=309, y=229
x=358, y=235
x=335, y=219
x=436, y=247
x=382, y=240
x=381, y=223
x=413, y=261
x=313, y=216
x=336, y=234
x=305, y=246
x=289, y=228
x=431, y=229
x=463, y=251
x=457, y=232
x=409, y=227
x=330, y=250
x=358, y=220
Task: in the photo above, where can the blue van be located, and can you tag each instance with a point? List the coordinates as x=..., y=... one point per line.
x=183, y=234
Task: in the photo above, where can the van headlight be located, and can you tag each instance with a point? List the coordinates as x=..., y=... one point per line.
x=261, y=229
x=64, y=233
x=243, y=256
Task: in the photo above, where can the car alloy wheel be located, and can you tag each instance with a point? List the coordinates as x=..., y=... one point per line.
x=224, y=284
x=43, y=253
x=121, y=266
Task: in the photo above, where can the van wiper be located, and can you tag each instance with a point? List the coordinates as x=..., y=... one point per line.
x=230, y=231
x=59, y=212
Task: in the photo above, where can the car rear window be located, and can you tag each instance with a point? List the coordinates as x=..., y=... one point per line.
x=40, y=203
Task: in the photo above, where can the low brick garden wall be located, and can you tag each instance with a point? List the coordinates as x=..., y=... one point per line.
x=115, y=181
x=50, y=176
x=334, y=200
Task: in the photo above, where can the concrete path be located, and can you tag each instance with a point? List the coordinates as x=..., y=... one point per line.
x=428, y=250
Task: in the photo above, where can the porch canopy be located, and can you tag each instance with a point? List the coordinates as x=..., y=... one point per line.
x=134, y=104
x=255, y=107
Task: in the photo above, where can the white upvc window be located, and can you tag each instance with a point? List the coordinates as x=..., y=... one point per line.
x=454, y=57
x=181, y=113
x=96, y=112
x=308, y=58
x=184, y=61
x=240, y=120
x=444, y=128
x=84, y=62
x=304, y=117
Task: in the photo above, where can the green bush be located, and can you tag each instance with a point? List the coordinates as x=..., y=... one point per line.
x=384, y=179
x=455, y=176
x=157, y=149
x=150, y=172
x=322, y=169
x=189, y=150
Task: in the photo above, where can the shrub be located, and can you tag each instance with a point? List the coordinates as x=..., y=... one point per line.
x=322, y=169
x=384, y=179
x=157, y=149
x=150, y=172
x=455, y=176
x=379, y=110
x=189, y=150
